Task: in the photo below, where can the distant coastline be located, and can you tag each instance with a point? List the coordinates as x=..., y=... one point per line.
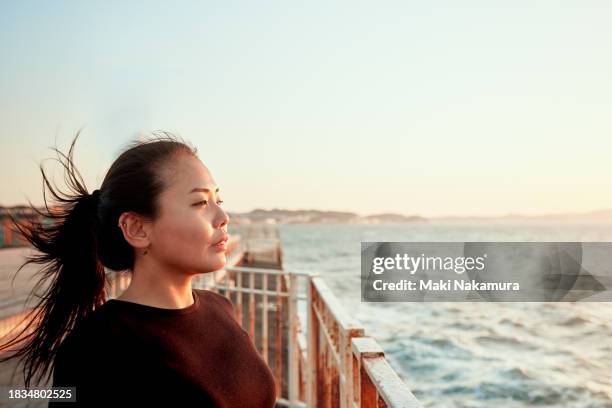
x=280, y=216
x=285, y=216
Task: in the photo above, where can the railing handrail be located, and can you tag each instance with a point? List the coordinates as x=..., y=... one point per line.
x=344, y=320
x=269, y=271
x=359, y=373
x=376, y=378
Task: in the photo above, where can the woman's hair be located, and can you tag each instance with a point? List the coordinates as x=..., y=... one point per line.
x=80, y=236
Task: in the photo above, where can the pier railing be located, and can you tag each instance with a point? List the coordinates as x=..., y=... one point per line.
x=319, y=354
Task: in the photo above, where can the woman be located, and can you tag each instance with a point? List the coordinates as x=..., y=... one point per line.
x=157, y=214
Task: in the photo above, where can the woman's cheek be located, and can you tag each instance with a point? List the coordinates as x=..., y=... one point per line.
x=200, y=233
x=178, y=236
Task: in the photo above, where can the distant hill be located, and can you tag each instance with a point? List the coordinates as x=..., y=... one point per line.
x=604, y=215
x=394, y=218
x=281, y=216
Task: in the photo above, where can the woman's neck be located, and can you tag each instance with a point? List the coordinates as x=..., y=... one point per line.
x=159, y=288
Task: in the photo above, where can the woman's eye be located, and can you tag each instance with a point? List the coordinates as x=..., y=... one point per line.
x=201, y=203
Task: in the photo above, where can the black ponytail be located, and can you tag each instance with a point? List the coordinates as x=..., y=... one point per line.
x=80, y=241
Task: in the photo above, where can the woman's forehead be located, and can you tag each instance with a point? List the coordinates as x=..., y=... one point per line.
x=192, y=175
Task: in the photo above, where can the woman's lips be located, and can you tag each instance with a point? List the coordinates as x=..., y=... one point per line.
x=221, y=244
x=220, y=247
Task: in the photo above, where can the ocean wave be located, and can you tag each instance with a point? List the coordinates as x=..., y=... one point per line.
x=516, y=373
x=504, y=341
x=574, y=321
x=512, y=323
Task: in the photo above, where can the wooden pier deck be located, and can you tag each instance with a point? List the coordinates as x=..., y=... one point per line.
x=13, y=293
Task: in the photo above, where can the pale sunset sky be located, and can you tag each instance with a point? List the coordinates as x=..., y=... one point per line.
x=430, y=108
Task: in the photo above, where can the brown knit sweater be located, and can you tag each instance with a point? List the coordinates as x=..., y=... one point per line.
x=200, y=356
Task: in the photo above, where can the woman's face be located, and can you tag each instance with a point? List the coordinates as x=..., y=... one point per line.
x=191, y=220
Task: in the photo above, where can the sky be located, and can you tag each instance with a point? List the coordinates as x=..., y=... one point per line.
x=429, y=108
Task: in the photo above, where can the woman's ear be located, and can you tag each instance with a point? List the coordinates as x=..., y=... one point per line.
x=136, y=230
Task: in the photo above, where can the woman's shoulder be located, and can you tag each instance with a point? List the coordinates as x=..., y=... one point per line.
x=83, y=348
x=214, y=298
x=94, y=329
x=210, y=295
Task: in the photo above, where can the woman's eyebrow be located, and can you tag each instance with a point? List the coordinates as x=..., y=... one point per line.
x=202, y=190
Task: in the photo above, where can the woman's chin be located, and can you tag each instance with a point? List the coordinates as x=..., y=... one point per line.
x=219, y=264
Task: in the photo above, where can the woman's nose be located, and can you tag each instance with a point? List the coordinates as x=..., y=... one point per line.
x=223, y=220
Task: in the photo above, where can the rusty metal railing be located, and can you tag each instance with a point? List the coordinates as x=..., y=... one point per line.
x=376, y=384
x=345, y=367
x=319, y=354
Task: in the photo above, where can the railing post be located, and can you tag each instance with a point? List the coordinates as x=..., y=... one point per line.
x=312, y=350
x=346, y=364
x=239, y=297
x=293, y=355
x=278, y=336
x=365, y=394
x=264, y=317
x=252, y=307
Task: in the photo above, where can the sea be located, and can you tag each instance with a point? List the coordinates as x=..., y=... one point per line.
x=471, y=354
